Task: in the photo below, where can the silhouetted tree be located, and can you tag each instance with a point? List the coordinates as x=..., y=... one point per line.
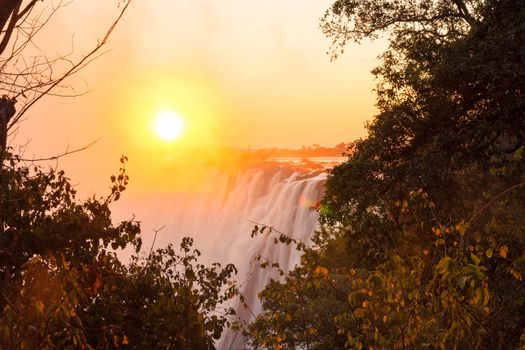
x=423, y=242
x=27, y=73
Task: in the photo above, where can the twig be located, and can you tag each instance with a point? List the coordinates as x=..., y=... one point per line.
x=66, y=153
x=75, y=68
x=295, y=240
x=492, y=200
x=154, y=239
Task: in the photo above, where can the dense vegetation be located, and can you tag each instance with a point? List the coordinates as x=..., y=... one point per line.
x=423, y=236
x=64, y=287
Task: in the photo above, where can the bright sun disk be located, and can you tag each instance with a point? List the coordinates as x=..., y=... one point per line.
x=169, y=126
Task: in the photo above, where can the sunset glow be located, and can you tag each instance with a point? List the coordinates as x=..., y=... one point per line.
x=169, y=126
x=198, y=61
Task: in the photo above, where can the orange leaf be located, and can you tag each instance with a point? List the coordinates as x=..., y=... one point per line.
x=503, y=251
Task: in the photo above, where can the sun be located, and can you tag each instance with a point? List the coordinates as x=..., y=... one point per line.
x=169, y=126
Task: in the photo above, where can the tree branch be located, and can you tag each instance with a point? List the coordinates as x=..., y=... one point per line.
x=28, y=8
x=75, y=68
x=492, y=200
x=464, y=12
x=6, y=10
x=66, y=153
x=10, y=27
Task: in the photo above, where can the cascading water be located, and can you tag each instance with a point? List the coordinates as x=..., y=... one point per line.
x=220, y=211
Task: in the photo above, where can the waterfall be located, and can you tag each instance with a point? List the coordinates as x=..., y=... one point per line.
x=219, y=211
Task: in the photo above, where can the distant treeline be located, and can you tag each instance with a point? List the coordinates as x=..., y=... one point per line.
x=306, y=151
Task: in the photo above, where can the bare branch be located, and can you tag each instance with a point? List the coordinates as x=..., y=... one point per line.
x=66, y=153
x=154, y=239
x=464, y=12
x=27, y=9
x=93, y=54
x=492, y=200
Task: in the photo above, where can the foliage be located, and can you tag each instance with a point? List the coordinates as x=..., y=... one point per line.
x=54, y=251
x=164, y=301
x=299, y=311
x=423, y=237
x=351, y=20
x=64, y=287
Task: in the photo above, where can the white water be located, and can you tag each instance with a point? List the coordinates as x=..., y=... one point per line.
x=220, y=212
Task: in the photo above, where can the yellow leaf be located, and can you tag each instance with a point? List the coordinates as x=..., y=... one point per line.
x=359, y=313
x=486, y=296
x=516, y=274
x=489, y=253
x=280, y=337
x=503, y=251
x=461, y=227
x=319, y=270
x=478, y=295
x=96, y=284
x=40, y=306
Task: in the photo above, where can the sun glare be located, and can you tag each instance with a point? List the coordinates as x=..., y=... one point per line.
x=169, y=126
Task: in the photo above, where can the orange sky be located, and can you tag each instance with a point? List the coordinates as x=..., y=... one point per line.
x=242, y=73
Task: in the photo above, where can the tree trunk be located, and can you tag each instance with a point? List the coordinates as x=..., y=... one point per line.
x=6, y=10
x=7, y=111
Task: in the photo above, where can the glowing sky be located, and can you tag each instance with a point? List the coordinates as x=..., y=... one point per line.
x=241, y=72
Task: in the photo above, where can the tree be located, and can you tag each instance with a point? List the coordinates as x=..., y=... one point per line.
x=54, y=254
x=350, y=20
x=301, y=311
x=26, y=73
x=64, y=287
x=430, y=204
x=166, y=300
x=450, y=124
